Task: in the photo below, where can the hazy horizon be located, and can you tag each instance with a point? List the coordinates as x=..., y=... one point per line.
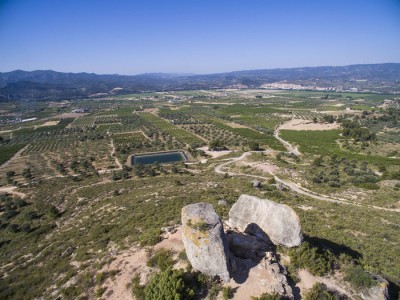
x=130, y=38
x=193, y=74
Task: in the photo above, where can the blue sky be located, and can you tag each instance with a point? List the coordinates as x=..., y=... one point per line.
x=195, y=36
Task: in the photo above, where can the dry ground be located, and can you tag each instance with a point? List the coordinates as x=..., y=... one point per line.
x=307, y=280
x=48, y=123
x=300, y=124
x=214, y=154
x=133, y=261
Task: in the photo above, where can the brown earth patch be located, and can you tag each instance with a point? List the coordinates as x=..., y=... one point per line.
x=300, y=124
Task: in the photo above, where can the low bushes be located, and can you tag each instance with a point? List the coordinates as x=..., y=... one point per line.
x=317, y=261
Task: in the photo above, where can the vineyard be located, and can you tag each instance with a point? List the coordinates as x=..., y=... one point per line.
x=306, y=115
x=107, y=120
x=83, y=122
x=210, y=132
x=260, y=122
x=264, y=139
x=180, y=134
x=131, y=143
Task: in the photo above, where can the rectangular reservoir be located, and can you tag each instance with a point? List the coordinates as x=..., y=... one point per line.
x=159, y=157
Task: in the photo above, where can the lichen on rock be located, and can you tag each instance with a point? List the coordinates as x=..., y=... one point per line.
x=204, y=240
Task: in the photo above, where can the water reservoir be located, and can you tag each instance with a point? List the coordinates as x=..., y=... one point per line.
x=160, y=157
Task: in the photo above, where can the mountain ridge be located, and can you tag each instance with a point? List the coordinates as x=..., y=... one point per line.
x=50, y=84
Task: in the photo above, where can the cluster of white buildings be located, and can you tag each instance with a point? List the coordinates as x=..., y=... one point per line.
x=292, y=86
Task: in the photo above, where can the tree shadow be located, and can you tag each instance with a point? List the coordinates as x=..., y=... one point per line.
x=335, y=248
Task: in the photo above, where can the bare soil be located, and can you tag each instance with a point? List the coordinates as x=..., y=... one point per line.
x=235, y=125
x=307, y=280
x=49, y=123
x=133, y=261
x=70, y=115
x=214, y=154
x=300, y=124
x=128, y=263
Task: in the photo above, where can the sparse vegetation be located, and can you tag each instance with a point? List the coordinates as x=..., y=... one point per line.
x=72, y=184
x=358, y=278
x=320, y=292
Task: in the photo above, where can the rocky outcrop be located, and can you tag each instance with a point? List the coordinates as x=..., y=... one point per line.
x=261, y=274
x=204, y=240
x=278, y=221
x=280, y=283
x=378, y=292
x=246, y=246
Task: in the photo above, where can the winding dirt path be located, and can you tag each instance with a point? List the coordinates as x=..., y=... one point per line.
x=116, y=160
x=288, y=146
x=292, y=186
x=113, y=155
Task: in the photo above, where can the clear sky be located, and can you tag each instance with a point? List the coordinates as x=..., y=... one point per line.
x=195, y=36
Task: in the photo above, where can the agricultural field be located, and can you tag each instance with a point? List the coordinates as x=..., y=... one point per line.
x=70, y=205
x=181, y=135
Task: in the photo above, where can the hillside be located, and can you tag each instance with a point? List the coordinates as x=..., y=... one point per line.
x=42, y=85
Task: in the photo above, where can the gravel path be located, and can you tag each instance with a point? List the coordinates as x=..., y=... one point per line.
x=294, y=187
x=288, y=146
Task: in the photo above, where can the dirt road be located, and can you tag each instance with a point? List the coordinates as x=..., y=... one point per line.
x=294, y=187
x=288, y=146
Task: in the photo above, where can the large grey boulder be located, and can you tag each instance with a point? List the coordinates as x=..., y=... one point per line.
x=278, y=221
x=204, y=240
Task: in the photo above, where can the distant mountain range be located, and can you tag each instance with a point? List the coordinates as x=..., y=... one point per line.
x=50, y=85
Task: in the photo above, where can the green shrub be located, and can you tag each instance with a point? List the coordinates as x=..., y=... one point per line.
x=20, y=203
x=368, y=186
x=227, y=292
x=161, y=259
x=319, y=292
x=100, y=291
x=53, y=212
x=317, y=261
x=182, y=256
x=101, y=277
x=213, y=291
x=137, y=289
x=150, y=237
x=358, y=278
x=31, y=215
x=8, y=214
x=71, y=292
x=267, y=296
x=168, y=285
x=13, y=228
x=26, y=228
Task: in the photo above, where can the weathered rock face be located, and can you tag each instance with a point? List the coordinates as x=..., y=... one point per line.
x=204, y=240
x=266, y=275
x=378, y=292
x=278, y=221
x=246, y=246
